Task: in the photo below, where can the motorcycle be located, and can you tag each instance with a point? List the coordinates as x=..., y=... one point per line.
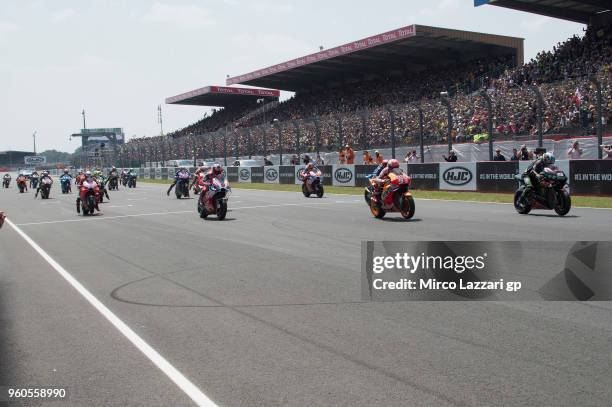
x=34, y=181
x=45, y=187
x=552, y=193
x=124, y=180
x=182, y=186
x=22, y=183
x=311, y=183
x=65, y=183
x=92, y=196
x=214, y=201
x=113, y=184
x=102, y=189
x=131, y=182
x=6, y=182
x=395, y=197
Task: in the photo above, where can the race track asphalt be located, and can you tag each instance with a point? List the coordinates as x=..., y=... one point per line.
x=265, y=308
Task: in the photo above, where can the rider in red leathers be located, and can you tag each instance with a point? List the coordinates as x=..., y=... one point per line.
x=205, y=181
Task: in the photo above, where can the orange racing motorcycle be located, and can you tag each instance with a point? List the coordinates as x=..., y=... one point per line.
x=394, y=197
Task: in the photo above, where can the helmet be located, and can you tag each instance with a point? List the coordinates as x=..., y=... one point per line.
x=88, y=173
x=113, y=168
x=45, y=172
x=548, y=158
x=393, y=163
x=385, y=163
x=310, y=167
x=65, y=170
x=217, y=169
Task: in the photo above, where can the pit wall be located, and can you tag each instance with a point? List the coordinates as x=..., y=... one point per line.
x=586, y=177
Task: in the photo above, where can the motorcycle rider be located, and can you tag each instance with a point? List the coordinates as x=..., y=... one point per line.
x=177, y=176
x=102, y=181
x=198, y=175
x=379, y=169
x=113, y=174
x=34, y=179
x=45, y=175
x=88, y=182
x=534, y=174
x=393, y=167
x=7, y=177
x=78, y=180
x=65, y=175
x=22, y=176
x=215, y=172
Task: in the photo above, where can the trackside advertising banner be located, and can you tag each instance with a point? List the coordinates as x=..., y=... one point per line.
x=158, y=173
x=164, y=173
x=232, y=174
x=361, y=172
x=497, y=176
x=296, y=174
x=244, y=174
x=486, y=271
x=147, y=173
x=424, y=176
x=458, y=176
x=327, y=174
x=344, y=175
x=272, y=174
x=287, y=174
x=591, y=177
x=257, y=175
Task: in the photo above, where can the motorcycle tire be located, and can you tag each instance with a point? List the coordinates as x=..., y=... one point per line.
x=305, y=191
x=367, y=195
x=564, y=203
x=202, y=210
x=101, y=197
x=522, y=209
x=376, y=210
x=222, y=210
x=408, y=207
x=320, y=191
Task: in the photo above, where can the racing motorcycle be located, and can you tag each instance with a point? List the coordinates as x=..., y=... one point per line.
x=131, y=181
x=552, y=193
x=34, y=181
x=22, y=183
x=102, y=189
x=6, y=182
x=395, y=197
x=311, y=183
x=182, y=185
x=124, y=179
x=65, y=183
x=214, y=201
x=45, y=187
x=113, y=183
x=92, y=196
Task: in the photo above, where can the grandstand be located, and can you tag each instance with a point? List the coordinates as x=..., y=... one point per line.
x=368, y=93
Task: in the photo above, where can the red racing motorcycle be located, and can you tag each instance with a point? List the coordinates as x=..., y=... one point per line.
x=214, y=200
x=311, y=183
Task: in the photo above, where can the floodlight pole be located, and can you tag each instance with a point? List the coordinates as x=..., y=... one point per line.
x=34, y=137
x=599, y=127
x=489, y=103
x=83, y=113
x=421, y=134
x=446, y=102
x=160, y=119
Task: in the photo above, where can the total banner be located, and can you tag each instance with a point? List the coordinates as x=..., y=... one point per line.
x=257, y=175
x=147, y=173
x=361, y=172
x=327, y=177
x=272, y=174
x=457, y=176
x=296, y=174
x=232, y=174
x=287, y=174
x=591, y=177
x=344, y=175
x=424, y=176
x=497, y=176
x=244, y=174
x=486, y=271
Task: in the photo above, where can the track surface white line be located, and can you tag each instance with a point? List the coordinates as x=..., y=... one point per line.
x=158, y=360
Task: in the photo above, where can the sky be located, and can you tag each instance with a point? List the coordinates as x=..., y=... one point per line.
x=119, y=60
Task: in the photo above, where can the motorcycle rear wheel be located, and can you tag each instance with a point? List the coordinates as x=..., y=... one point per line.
x=408, y=207
x=564, y=203
x=521, y=207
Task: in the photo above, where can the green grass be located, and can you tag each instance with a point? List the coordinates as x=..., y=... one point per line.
x=578, y=201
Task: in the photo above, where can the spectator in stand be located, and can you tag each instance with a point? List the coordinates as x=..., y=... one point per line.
x=574, y=153
x=319, y=160
x=411, y=156
x=498, y=155
x=295, y=160
x=525, y=155
x=306, y=159
x=452, y=156
x=515, y=156
x=342, y=156
x=367, y=158
x=267, y=161
x=378, y=158
x=349, y=154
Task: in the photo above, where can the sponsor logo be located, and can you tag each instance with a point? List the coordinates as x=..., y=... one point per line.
x=271, y=174
x=457, y=176
x=35, y=159
x=343, y=175
x=245, y=174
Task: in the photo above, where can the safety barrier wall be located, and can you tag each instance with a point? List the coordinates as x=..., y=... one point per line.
x=586, y=177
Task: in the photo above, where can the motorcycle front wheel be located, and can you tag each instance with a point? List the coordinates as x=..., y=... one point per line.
x=408, y=207
x=221, y=210
x=522, y=206
x=564, y=203
x=320, y=191
x=305, y=191
x=376, y=210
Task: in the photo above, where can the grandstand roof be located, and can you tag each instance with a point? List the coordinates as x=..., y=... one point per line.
x=580, y=11
x=221, y=96
x=408, y=49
